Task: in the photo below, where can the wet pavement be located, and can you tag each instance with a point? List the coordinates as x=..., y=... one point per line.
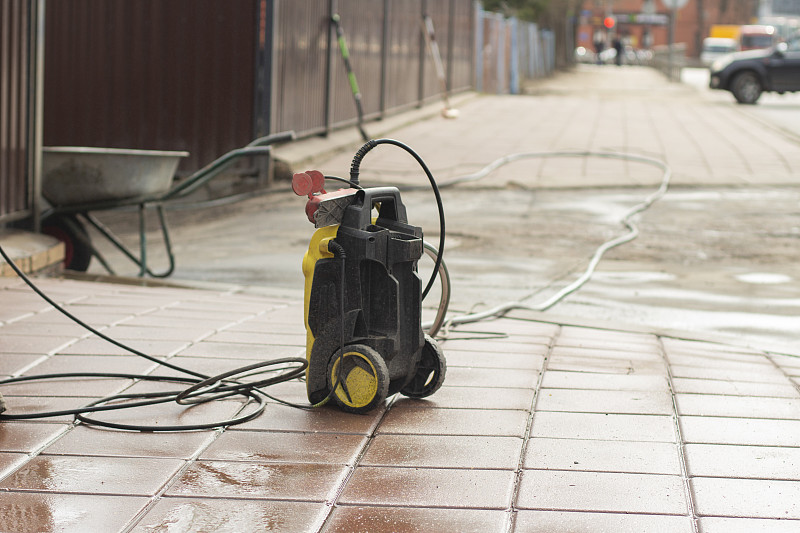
x=558, y=421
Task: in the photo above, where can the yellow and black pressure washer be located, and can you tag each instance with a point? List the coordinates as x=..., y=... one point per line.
x=363, y=299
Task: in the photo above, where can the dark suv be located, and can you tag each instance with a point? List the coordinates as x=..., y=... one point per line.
x=748, y=74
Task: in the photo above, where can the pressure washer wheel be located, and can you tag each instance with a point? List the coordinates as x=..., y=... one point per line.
x=69, y=230
x=430, y=371
x=362, y=383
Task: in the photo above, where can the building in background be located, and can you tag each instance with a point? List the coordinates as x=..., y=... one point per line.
x=645, y=23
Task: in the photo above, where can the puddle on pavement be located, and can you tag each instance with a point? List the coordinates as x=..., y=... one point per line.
x=763, y=278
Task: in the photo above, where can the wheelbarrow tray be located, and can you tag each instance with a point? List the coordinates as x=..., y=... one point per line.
x=82, y=175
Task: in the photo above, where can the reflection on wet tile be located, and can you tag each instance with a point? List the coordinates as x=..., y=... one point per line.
x=305, y=482
x=66, y=513
x=232, y=516
x=347, y=519
x=96, y=475
x=87, y=440
x=433, y=487
x=326, y=419
x=27, y=437
x=472, y=398
x=455, y=422
x=271, y=447
x=432, y=451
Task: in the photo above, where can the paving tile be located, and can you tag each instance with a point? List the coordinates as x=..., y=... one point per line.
x=87, y=440
x=738, y=406
x=512, y=326
x=126, y=364
x=29, y=405
x=542, y=521
x=280, y=447
x=748, y=431
x=97, y=346
x=13, y=363
x=260, y=352
x=471, y=398
x=10, y=461
x=649, y=354
x=28, y=437
x=32, y=344
x=494, y=360
x=603, y=456
x=25, y=327
x=455, y=422
x=751, y=363
x=240, y=337
x=235, y=479
x=605, y=401
x=746, y=498
x=766, y=375
x=167, y=332
x=223, y=515
x=734, y=388
x=25, y=512
x=437, y=451
x=760, y=462
x=602, y=491
x=349, y=519
x=492, y=346
x=491, y=377
x=429, y=487
x=747, y=525
x=571, y=363
x=325, y=419
x=554, y=379
x=649, y=428
x=172, y=414
x=79, y=387
x=93, y=475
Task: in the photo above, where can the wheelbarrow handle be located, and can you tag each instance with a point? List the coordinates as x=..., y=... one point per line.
x=202, y=176
x=274, y=138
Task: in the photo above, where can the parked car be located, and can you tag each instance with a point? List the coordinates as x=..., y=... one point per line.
x=716, y=47
x=748, y=74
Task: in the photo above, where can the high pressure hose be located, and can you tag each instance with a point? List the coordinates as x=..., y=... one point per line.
x=354, y=171
x=633, y=231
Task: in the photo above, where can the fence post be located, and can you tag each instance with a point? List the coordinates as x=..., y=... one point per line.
x=328, y=126
x=478, y=47
x=513, y=60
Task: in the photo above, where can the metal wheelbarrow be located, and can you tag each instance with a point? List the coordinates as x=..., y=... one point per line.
x=79, y=180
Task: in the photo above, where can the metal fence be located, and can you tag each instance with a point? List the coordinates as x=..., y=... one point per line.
x=19, y=22
x=509, y=51
x=208, y=76
x=310, y=89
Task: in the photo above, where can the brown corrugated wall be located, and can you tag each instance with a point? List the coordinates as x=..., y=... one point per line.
x=207, y=76
x=14, y=108
x=151, y=74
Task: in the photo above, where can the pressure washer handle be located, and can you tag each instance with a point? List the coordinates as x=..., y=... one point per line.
x=392, y=207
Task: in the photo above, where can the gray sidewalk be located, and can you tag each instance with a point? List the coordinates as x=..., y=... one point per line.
x=544, y=423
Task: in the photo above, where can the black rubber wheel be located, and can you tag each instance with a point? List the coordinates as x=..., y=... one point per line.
x=69, y=230
x=746, y=88
x=362, y=383
x=430, y=372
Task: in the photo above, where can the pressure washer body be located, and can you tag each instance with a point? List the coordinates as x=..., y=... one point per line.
x=363, y=299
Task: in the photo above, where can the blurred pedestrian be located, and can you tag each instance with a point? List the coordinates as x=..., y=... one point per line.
x=599, y=45
x=618, y=48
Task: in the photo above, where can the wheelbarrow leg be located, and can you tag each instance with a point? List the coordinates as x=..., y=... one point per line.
x=142, y=241
x=141, y=262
